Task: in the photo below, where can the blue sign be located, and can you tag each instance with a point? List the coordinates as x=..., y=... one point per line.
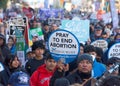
x=50, y=13
x=79, y=28
x=63, y=45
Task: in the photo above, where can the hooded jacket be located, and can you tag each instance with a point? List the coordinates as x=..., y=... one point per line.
x=41, y=77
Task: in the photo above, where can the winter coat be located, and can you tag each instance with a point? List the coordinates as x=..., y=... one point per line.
x=98, y=69
x=76, y=78
x=4, y=74
x=41, y=77
x=32, y=65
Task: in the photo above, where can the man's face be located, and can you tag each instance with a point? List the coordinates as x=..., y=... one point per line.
x=84, y=66
x=50, y=64
x=98, y=32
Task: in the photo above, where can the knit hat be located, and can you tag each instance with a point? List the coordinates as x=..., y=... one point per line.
x=19, y=79
x=85, y=57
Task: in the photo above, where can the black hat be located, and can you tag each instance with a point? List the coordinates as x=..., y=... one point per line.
x=85, y=56
x=98, y=27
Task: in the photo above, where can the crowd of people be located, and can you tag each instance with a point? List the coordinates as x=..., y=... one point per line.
x=41, y=69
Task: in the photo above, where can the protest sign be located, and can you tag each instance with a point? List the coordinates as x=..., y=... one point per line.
x=76, y=18
x=44, y=13
x=56, y=21
x=35, y=32
x=17, y=23
x=79, y=28
x=100, y=43
x=63, y=45
x=106, y=17
x=20, y=45
x=114, y=14
x=114, y=51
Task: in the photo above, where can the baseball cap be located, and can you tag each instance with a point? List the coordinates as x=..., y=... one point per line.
x=98, y=27
x=19, y=79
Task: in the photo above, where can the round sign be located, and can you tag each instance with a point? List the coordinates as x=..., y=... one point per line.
x=100, y=43
x=114, y=51
x=63, y=45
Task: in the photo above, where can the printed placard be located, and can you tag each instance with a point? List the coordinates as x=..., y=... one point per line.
x=100, y=43
x=114, y=51
x=56, y=21
x=80, y=28
x=17, y=25
x=63, y=45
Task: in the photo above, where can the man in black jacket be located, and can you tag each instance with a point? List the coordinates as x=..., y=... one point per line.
x=83, y=74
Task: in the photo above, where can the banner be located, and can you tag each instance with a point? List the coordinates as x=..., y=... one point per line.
x=114, y=13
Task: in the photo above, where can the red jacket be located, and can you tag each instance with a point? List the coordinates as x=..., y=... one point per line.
x=41, y=77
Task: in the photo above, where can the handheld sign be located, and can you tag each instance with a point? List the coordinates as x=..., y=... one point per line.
x=63, y=45
x=101, y=44
x=114, y=51
x=17, y=25
x=79, y=28
x=56, y=21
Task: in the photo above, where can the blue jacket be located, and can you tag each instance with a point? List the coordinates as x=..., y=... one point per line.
x=98, y=69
